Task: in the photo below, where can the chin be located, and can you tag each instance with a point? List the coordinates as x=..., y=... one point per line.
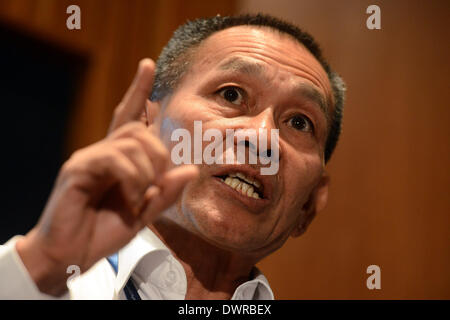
x=220, y=219
x=222, y=228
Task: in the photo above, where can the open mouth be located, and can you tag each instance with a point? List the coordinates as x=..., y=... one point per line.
x=244, y=184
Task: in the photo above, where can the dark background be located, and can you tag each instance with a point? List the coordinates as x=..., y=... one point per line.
x=389, y=202
x=38, y=84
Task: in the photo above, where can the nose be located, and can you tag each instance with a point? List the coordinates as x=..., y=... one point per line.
x=262, y=153
x=263, y=123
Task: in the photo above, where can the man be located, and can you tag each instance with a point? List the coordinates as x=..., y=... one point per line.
x=185, y=231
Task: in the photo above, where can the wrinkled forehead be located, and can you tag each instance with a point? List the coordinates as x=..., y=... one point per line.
x=270, y=48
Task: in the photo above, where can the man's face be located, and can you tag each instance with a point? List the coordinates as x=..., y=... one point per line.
x=250, y=78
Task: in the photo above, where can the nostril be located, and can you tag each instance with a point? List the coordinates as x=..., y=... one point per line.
x=267, y=153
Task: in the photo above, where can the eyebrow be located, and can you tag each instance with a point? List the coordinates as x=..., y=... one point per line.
x=240, y=65
x=311, y=93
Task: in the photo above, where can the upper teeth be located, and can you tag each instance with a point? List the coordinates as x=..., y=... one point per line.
x=246, y=188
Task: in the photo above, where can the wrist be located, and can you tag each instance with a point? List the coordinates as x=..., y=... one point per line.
x=49, y=276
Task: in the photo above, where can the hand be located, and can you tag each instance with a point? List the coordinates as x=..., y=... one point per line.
x=104, y=194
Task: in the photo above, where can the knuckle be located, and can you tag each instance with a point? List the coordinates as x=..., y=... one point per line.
x=118, y=110
x=114, y=159
x=163, y=153
x=75, y=156
x=68, y=169
x=160, y=150
x=73, y=164
x=108, y=155
x=157, y=147
x=132, y=146
x=134, y=126
x=150, y=173
x=133, y=174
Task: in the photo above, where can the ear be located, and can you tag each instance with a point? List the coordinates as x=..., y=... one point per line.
x=316, y=203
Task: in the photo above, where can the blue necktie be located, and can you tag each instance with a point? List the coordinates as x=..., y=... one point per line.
x=129, y=289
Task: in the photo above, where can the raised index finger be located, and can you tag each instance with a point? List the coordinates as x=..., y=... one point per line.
x=134, y=101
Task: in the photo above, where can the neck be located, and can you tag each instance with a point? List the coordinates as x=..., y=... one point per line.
x=211, y=272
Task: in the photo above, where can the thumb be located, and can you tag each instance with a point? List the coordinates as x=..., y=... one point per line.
x=170, y=187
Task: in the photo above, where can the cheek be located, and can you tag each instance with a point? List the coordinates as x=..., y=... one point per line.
x=301, y=173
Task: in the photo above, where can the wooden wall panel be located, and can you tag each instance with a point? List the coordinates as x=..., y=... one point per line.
x=389, y=202
x=115, y=35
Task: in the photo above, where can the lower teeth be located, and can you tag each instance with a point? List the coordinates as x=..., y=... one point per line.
x=241, y=187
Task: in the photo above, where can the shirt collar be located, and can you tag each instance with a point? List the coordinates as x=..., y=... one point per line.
x=256, y=289
x=146, y=243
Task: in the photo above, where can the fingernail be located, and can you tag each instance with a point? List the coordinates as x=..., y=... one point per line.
x=143, y=63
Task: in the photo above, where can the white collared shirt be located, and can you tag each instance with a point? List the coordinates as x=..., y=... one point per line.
x=154, y=271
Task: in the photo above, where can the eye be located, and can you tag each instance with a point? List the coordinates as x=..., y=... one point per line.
x=232, y=94
x=301, y=123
